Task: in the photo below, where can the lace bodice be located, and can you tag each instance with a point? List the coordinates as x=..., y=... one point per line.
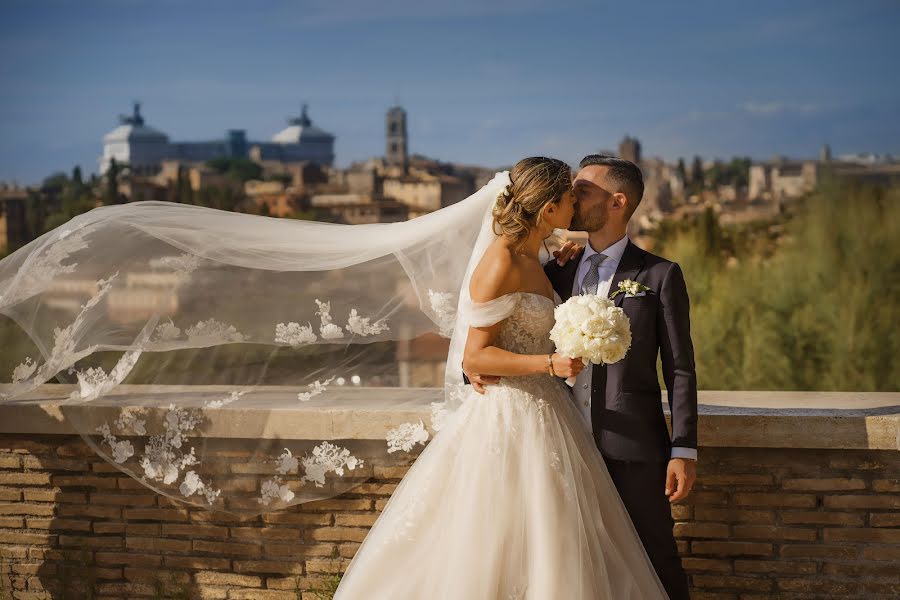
x=527, y=329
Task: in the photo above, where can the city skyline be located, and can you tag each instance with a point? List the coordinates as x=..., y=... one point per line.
x=482, y=84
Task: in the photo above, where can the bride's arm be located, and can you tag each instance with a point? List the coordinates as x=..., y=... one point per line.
x=493, y=278
x=481, y=356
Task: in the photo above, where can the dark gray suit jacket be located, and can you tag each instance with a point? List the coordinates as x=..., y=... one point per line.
x=626, y=407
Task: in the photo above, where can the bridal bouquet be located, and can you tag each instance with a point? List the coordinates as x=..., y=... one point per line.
x=591, y=328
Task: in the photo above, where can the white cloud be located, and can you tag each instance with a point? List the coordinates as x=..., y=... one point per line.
x=773, y=108
x=763, y=108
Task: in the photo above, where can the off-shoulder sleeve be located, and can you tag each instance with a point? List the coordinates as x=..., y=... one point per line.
x=485, y=314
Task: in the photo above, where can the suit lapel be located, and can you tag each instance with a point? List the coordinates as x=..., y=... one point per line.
x=631, y=264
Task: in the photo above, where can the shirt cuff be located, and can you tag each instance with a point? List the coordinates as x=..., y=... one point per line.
x=682, y=452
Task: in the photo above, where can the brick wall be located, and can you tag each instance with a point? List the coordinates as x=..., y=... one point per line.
x=69, y=520
x=761, y=523
x=792, y=523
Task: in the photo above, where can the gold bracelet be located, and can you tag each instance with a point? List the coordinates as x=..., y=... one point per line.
x=550, y=364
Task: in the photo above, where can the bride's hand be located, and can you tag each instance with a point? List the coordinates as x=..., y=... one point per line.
x=566, y=367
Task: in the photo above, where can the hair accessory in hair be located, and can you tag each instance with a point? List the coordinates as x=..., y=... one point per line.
x=505, y=194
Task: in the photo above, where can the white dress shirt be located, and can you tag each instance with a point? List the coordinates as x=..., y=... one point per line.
x=606, y=270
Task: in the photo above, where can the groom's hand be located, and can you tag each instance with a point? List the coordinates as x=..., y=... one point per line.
x=478, y=380
x=567, y=252
x=683, y=472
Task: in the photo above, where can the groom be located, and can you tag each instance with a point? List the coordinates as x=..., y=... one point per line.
x=621, y=401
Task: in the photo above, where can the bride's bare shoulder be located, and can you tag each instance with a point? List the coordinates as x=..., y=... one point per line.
x=495, y=274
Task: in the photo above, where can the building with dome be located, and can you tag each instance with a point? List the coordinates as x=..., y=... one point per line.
x=135, y=144
x=144, y=148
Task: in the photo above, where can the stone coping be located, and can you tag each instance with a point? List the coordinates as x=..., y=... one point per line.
x=832, y=420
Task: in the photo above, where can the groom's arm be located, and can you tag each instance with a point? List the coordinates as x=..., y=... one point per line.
x=479, y=381
x=677, y=353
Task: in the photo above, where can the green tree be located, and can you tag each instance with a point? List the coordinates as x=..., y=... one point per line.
x=682, y=170
x=111, y=191
x=54, y=183
x=739, y=169
x=697, y=175
x=54, y=220
x=220, y=164
x=184, y=193
x=710, y=235
x=241, y=169
x=35, y=213
x=736, y=172
x=811, y=308
x=229, y=199
x=284, y=178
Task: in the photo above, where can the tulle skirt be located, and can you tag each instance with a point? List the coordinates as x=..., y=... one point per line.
x=511, y=500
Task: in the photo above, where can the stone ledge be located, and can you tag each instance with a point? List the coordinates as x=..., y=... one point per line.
x=831, y=420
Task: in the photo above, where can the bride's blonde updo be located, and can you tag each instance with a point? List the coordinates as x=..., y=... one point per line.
x=535, y=182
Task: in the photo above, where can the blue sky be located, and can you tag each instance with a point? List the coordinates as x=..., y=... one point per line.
x=483, y=82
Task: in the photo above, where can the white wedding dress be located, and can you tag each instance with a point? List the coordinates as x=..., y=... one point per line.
x=511, y=500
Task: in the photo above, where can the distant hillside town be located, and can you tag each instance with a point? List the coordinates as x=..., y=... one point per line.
x=293, y=173
x=293, y=176
x=740, y=190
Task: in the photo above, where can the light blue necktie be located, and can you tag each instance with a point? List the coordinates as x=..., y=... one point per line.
x=592, y=278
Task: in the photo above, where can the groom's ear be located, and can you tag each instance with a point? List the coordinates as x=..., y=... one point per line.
x=620, y=201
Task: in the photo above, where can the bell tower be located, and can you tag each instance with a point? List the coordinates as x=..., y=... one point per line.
x=397, y=148
x=630, y=149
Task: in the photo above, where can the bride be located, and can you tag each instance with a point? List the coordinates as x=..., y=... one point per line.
x=511, y=500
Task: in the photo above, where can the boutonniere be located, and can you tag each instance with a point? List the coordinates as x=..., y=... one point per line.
x=629, y=287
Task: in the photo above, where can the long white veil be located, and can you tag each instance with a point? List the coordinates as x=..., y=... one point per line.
x=165, y=320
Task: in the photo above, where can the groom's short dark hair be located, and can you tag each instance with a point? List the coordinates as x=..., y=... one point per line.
x=623, y=173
